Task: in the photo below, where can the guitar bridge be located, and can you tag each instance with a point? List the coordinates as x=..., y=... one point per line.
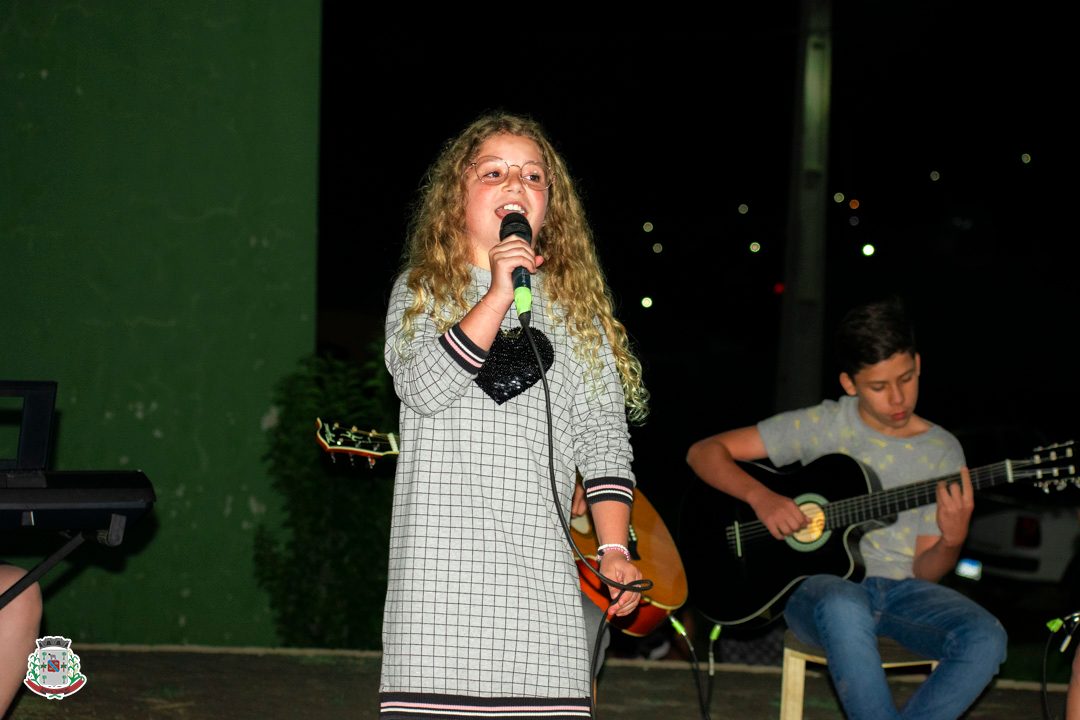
x=734, y=538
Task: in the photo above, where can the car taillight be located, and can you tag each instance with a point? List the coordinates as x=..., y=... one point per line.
x=1027, y=533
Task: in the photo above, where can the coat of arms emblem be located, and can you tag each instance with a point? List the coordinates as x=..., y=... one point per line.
x=53, y=669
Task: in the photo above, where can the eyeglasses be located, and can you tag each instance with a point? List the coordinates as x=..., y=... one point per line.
x=492, y=170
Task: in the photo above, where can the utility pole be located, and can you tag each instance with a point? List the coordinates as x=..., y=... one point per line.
x=800, y=362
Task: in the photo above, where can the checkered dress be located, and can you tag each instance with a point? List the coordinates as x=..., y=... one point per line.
x=483, y=608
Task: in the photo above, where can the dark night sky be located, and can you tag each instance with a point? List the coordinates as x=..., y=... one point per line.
x=679, y=128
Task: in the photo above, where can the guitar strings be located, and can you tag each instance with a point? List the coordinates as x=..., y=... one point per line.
x=850, y=511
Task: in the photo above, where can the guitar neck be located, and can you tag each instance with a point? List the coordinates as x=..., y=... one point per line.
x=885, y=503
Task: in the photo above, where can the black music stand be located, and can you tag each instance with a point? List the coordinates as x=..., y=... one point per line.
x=34, y=496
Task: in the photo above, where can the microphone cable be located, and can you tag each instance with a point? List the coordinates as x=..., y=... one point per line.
x=639, y=586
x=1069, y=624
x=704, y=697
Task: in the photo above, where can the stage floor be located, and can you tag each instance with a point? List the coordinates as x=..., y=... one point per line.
x=188, y=683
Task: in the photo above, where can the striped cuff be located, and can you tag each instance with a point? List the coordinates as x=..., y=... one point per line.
x=609, y=488
x=408, y=706
x=463, y=350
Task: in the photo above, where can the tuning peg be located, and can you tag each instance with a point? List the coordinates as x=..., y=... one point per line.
x=1066, y=449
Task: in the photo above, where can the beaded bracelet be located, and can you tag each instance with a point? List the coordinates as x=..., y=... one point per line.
x=612, y=546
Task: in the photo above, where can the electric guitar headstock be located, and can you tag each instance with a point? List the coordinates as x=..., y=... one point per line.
x=336, y=439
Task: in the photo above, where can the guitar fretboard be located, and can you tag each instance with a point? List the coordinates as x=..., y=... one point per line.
x=886, y=503
x=1050, y=466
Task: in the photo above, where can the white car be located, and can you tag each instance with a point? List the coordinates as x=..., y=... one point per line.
x=1036, y=543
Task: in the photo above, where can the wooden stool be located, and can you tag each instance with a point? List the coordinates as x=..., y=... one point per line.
x=798, y=653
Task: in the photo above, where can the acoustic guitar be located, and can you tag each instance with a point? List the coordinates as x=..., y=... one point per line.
x=355, y=443
x=742, y=575
x=651, y=545
x=653, y=551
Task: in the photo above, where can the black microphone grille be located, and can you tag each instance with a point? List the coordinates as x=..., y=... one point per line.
x=515, y=224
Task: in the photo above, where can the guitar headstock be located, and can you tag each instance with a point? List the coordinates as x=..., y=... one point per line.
x=335, y=439
x=1054, y=467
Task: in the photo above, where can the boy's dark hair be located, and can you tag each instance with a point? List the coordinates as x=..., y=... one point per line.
x=873, y=332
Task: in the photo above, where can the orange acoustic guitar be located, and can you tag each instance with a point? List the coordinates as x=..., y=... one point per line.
x=654, y=553
x=651, y=545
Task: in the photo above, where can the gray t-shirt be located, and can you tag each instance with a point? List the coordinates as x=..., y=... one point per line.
x=836, y=427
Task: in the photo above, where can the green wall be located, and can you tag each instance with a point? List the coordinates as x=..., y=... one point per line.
x=158, y=200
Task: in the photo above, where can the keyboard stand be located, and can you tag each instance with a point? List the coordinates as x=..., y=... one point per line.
x=40, y=569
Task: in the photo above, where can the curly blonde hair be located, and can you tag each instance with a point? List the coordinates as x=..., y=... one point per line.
x=438, y=255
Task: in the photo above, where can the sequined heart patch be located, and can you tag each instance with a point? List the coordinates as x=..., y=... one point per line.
x=510, y=368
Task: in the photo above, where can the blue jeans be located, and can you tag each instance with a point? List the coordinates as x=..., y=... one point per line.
x=845, y=619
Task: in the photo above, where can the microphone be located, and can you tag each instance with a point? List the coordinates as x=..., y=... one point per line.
x=516, y=224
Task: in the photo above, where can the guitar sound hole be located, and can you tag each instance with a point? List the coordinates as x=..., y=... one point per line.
x=815, y=528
